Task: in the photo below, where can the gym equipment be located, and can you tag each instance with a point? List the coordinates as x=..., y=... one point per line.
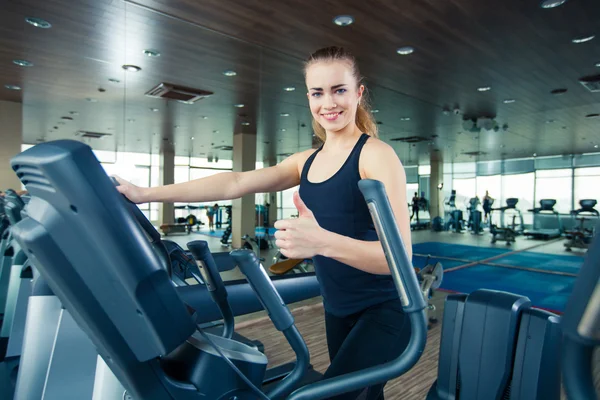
x=581, y=328
x=546, y=208
x=454, y=216
x=580, y=237
x=495, y=346
x=503, y=232
x=430, y=277
x=475, y=216
x=421, y=223
x=123, y=299
x=283, y=265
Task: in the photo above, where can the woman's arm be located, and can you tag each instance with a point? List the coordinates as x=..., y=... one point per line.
x=223, y=186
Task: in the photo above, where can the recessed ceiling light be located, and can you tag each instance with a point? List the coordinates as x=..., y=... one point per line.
x=131, y=120
x=595, y=146
x=375, y=111
x=91, y=100
x=38, y=22
x=229, y=73
x=245, y=123
x=289, y=89
x=154, y=110
x=559, y=91
x=550, y=121
x=405, y=119
x=131, y=68
x=152, y=53
x=508, y=101
x=215, y=131
x=535, y=154
x=552, y=3
x=192, y=138
x=405, y=50
x=238, y=105
x=177, y=126
x=284, y=115
x=12, y=87
x=67, y=118
x=23, y=63
x=583, y=39
x=73, y=113
x=343, y=20
x=484, y=89
x=114, y=80
x=283, y=129
x=204, y=117
x=598, y=64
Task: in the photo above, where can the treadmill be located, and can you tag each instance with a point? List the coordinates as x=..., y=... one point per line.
x=539, y=232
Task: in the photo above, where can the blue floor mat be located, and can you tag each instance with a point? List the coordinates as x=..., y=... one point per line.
x=217, y=233
x=461, y=251
x=420, y=262
x=551, y=262
x=544, y=290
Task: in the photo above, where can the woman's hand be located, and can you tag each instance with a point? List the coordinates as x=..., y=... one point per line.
x=134, y=193
x=300, y=237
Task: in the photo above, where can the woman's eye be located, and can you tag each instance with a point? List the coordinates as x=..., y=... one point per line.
x=340, y=91
x=316, y=94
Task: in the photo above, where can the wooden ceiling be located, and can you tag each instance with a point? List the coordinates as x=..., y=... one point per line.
x=517, y=48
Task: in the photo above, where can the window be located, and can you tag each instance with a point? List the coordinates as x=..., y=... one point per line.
x=465, y=190
x=493, y=184
x=411, y=188
x=555, y=184
x=521, y=187
x=286, y=207
x=586, y=185
x=424, y=170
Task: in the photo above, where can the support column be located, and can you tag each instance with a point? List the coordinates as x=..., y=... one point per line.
x=243, y=210
x=11, y=137
x=272, y=198
x=166, y=211
x=436, y=208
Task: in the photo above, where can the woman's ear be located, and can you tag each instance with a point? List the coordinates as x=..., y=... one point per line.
x=361, y=89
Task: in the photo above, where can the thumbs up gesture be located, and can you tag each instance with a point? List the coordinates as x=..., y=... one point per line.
x=300, y=237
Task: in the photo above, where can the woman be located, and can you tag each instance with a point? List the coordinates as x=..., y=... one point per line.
x=364, y=320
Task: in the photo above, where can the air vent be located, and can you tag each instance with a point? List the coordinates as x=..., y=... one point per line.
x=180, y=93
x=591, y=83
x=410, y=139
x=92, y=135
x=223, y=147
x=475, y=153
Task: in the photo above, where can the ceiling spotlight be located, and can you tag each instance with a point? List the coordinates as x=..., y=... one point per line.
x=283, y=129
x=215, y=131
x=192, y=138
x=245, y=123
x=73, y=113
x=12, y=87
x=38, y=22
x=154, y=110
x=131, y=68
x=284, y=115
x=91, y=100
x=534, y=154
x=550, y=121
x=598, y=64
x=131, y=120
x=204, y=117
x=583, y=39
x=595, y=146
x=289, y=89
x=229, y=73
x=484, y=89
x=552, y=3
x=23, y=63
x=508, y=101
x=405, y=50
x=238, y=105
x=114, y=80
x=375, y=111
x=405, y=119
x=152, y=53
x=343, y=20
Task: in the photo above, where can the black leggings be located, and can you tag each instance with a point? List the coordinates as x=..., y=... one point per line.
x=371, y=337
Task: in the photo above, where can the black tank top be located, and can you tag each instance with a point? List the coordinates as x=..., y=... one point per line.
x=339, y=206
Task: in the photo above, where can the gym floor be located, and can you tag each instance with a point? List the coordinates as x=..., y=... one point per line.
x=310, y=318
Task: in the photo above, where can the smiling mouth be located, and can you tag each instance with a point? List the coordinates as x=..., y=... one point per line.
x=332, y=116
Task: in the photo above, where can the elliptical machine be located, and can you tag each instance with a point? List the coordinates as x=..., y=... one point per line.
x=475, y=216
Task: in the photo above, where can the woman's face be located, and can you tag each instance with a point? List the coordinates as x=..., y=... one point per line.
x=333, y=94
